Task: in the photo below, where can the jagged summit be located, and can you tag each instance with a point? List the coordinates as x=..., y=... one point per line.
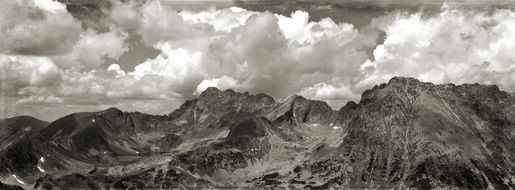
x=403, y=80
x=210, y=91
x=213, y=92
x=397, y=84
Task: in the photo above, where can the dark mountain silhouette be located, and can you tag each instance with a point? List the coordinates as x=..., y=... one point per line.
x=404, y=133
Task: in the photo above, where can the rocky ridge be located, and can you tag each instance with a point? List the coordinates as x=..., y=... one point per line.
x=404, y=133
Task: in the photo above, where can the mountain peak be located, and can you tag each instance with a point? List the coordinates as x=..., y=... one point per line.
x=213, y=92
x=295, y=98
x=349, y=105
x=210, y=91
x=112, y=109
x=403, y=80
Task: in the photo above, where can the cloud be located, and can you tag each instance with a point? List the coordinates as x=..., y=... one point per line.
x=323, y=91
x=39, y=99
x=125, y=15
x=245, y=50
x=233, y=48
x=42, y=27
x=163, y=23
x=223, y=83
x=22, y=71
x=178, y=70
x=93, y=48
x=220, y=19
x=22, y=77
x=457, y=47
x=116, y=68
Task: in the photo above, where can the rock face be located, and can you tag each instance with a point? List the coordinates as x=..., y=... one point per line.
x=404, y=133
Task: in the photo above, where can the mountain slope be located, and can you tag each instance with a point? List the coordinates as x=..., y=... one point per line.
x=404, y=133
x=426, y=135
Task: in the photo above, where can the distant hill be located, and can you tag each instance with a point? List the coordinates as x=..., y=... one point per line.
x=10, y=126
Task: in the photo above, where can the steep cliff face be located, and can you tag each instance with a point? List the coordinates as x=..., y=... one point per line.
x=298, y=109
x=214, y=108
x=404, y=133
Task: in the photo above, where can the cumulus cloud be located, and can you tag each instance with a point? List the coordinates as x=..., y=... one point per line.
x=23, y=71
x=163, y=23
x=125, y=15
x=116, y=69
x=178, y=70
x=42, y=27
x=456, y=46
x=93, y=48
x=222, y=83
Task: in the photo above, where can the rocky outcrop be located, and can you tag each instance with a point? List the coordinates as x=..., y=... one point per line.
x=168, y=142
x=298, y=109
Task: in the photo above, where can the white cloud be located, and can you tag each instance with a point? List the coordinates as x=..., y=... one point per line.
x=245, y=50
x=324, y=91
x=174, y=70
x=253, y=49
x=116, y=68
x=297, y=28
x=125, y=15
x=42, y=27
x=160, y=23
x=50, y=6
x=24, y=71
x=221, y=19
x=223, y=83
x=459, y=47
x=93, y=48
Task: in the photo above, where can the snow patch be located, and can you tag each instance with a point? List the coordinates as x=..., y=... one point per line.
x=336, y=127
x=40, y=169
x=18, y=180
x=42, y=159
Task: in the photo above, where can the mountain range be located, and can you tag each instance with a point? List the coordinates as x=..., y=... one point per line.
x=404, y=133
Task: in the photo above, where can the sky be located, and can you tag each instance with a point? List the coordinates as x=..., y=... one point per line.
x=150, y=56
